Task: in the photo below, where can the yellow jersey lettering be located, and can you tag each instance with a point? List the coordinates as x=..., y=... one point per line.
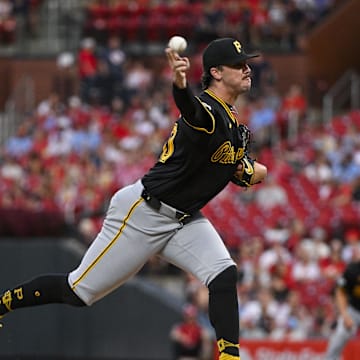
x=168, y=148
x=19, y=293
x=226, y=154
x=7, y=299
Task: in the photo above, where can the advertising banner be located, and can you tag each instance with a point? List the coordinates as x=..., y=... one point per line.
x=293, y=350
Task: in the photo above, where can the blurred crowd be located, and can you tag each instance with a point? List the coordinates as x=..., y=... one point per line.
x=18, y=16
x=272, y=23
x=284, y=294
x=279, y=24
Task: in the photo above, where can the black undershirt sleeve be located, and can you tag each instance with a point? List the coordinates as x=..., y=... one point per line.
x=191, y=108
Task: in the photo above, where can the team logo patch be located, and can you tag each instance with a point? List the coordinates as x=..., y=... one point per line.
x=237, y=46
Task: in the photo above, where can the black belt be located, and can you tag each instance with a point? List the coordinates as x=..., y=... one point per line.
x=155, y=204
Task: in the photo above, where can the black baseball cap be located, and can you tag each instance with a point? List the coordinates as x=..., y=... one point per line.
x=224, y=51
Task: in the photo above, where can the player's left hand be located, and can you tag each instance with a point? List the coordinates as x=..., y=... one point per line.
x=249, y=172
x=179, y=66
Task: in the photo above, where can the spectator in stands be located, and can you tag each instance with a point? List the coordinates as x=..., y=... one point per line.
x=279, y=233
x=297, y=231
x=211, y=23
x=254, y=22
x=21, y=143
x=277, y=22
x=333, y=265
x=261, y=118
x=21, y=11
x=331, y=190
x=115, y=57
x=6, y=9
x=87, y=229
x=247, y=262
x=157, y=112
x=103, y=87
x=351, y=244
x=297, y=320
x=319, y=169
x=281, y=281
x=263, y=76
x=190, y=340
x=275, y=252
x=271, y=194
x=196, y=293
x=65, y=78
x=272, y=97
x=85, y=139
x=49, y=107
x=293, y=107
x=346, y=170
x=297, y=25
x=316, y=244
x=304, y=268
x=138, y=79
x=10, y=169
x=356, y=146
x=27, y=15
x=234, y=20
x=257, y=316
x=59, y=140
x=87, y=65
x=7, y=22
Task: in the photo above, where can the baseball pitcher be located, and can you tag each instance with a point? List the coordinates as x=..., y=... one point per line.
x=160, y=214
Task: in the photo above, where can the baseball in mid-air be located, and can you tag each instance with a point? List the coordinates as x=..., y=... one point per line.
x=177, y=43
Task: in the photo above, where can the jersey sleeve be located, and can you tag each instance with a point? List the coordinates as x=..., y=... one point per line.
x=194, y=112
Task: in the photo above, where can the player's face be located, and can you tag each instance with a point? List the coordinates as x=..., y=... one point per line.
x=237, y=77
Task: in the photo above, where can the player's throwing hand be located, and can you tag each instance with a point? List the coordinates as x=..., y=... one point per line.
x=179, y=66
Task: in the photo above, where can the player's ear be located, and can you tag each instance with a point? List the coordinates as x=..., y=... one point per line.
x=215, y=73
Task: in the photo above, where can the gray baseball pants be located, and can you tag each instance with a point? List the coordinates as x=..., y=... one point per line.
x=341, y=336
x=133, y=232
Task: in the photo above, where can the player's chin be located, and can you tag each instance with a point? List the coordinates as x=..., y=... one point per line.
x=246, y=87
x=246, y=84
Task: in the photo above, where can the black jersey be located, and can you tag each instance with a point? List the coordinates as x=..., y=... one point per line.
x=350, y=282
x=200, y=156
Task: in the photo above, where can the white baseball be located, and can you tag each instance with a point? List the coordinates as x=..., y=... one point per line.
x=177, y=43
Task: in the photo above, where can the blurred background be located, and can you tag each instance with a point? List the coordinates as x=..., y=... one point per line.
x=85, y=105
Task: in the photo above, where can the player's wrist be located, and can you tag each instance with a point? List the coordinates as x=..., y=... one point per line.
x=179, y=88
x=180, y=82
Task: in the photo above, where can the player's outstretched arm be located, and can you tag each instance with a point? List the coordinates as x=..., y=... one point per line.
x=190, y=107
